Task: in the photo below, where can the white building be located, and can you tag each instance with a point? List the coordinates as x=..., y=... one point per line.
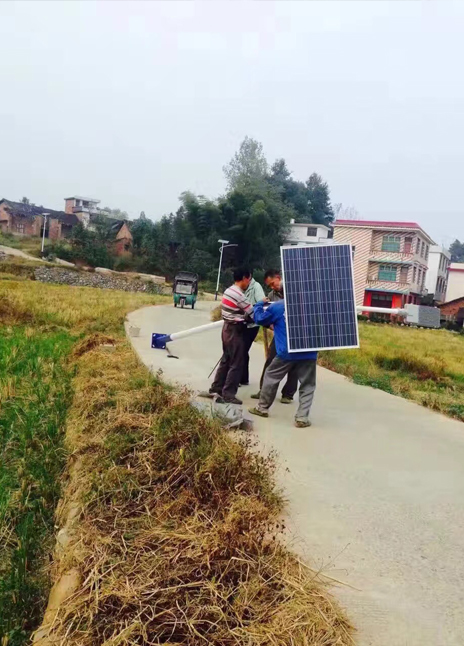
x=455, y=281
x=301, y=234
x=437, y=275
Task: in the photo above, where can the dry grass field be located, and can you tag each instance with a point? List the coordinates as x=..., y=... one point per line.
x=177, y=536
x=426, y=366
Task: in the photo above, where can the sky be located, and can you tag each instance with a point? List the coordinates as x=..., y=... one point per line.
x=134, y=103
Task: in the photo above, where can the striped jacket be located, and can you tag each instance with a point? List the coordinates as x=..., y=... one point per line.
x=235, y=306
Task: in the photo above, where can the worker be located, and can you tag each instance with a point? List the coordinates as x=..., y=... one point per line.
x=273, y=280
x=236, y=311
x=254, y=293
x=303, y=363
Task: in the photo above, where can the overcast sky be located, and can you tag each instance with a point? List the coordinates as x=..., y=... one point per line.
x=133, y=103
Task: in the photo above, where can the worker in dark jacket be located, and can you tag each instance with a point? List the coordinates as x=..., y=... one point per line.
x=303, y=363
x=273, y=279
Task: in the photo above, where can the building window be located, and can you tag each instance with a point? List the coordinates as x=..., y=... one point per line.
x=427, y=252
x=414, y=274
x=423, y=249
x=312, y=232
x=20, y=227
x=391, y=243
x=353, y=249
x=387, y=273
x=404, y=271
x=419, y=276
x=417, y=246
x=407, y=245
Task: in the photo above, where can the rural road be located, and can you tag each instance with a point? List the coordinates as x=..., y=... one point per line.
x=375, y=490
x=10, y=251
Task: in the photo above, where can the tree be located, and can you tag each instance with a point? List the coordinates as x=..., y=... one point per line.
x=25, y=200
x=319, y=207
x=247, y=166
x=292, y=192
x=142, y=215
x=457, y=251
x=114, y=213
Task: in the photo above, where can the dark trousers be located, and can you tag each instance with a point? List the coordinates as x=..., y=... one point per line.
x=230, y=369
x=250, y=335
x=291, y=385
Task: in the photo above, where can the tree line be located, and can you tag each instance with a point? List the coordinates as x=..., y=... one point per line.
x=254, y=214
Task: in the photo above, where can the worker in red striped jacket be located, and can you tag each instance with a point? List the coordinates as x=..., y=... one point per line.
x=237, y=311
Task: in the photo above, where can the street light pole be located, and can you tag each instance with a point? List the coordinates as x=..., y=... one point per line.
x=45, y=216
x=224, y=244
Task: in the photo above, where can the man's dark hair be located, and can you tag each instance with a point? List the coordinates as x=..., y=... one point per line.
x=272, y=273
x=241, y=273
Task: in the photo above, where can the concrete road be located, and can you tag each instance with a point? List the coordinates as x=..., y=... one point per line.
x=375, y=490
x=10, y=251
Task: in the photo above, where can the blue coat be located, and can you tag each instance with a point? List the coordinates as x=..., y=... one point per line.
x=275, y=315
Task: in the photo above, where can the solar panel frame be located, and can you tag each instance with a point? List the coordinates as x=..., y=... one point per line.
x=354, y=330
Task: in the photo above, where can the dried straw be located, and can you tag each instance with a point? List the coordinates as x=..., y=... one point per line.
x=177, y=539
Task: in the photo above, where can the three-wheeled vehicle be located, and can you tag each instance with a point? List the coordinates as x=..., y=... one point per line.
x=185, y=289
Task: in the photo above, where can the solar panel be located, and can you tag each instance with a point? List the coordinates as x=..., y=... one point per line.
x=319, y=297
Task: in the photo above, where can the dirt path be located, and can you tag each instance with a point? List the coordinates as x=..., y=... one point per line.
x=375, y=490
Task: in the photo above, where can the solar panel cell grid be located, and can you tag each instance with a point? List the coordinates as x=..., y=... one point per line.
x=319, y=297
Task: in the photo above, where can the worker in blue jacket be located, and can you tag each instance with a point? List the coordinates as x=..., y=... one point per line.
x=304, y=364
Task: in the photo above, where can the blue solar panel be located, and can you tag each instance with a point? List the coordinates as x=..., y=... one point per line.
x=319, y=297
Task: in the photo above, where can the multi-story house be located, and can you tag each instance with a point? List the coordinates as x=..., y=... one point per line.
x=436, y=282
x=300, y=234
x=455, y=281
x=390, y=260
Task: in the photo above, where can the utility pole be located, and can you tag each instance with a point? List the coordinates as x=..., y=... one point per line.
x=45, y=216
x=224, y=244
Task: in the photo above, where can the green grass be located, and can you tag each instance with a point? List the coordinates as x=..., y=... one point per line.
x=28, y=244
x=39, y=325
x=426, y=366
x=35, y=392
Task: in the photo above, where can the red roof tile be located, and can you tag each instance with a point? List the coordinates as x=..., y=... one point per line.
x=378, y=223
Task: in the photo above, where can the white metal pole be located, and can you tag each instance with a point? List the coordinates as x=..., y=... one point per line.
x=219, y=271
x=196, y=330
x=45, y=215
x=382, y=310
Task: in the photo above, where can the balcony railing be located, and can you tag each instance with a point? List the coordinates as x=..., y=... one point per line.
x=401, y=253
x=373, y=281
x=396, y=283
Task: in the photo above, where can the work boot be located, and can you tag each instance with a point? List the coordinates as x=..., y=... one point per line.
x=286, y=400
x=302, y=423
x=255, y=396
x=232, y=400
x=256, y=411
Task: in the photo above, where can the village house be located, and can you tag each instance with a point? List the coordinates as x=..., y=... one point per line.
x=24, y=219
x=28, y=220
x=390, y=260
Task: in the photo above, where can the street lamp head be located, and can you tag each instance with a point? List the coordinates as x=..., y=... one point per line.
x=223, y=241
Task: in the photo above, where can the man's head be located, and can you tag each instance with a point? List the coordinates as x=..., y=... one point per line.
x=273, y=279
x=242, y=277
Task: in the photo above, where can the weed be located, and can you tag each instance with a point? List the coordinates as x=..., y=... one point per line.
x=457, y=410
x=382, y=382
